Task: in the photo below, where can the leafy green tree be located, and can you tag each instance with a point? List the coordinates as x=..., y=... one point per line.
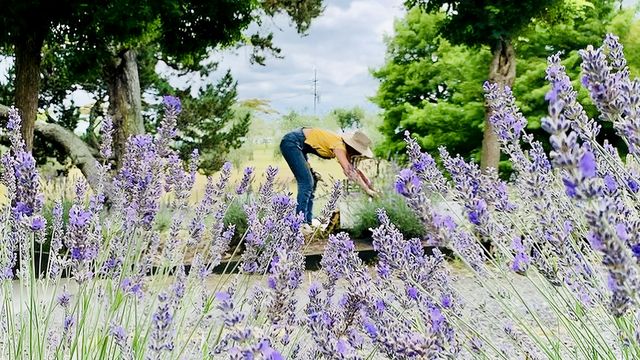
x=293, y=120
x=434, y=89
x=348, y=118
x=431, y=88
x=26, y=25
x=209, y=123
x=493, y=23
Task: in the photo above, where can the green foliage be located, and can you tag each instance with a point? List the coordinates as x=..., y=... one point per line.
x=400, y=214
x=348, y=118
x=434, y=89
x=209, y=123
x=293, y=120
x=300, y=12
x=83, y=43
x=236, y=216
x=431, y=88
x=472, y=22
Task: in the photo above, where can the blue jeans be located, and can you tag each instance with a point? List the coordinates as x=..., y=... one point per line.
x=295, y=151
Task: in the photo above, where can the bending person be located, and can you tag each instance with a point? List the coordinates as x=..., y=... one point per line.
x=298, y=144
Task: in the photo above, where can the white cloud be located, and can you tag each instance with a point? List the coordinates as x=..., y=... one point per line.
x=342, y=45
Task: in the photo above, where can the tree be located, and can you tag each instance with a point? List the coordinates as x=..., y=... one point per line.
x=103, y=41
x=293, y=120
x=111, y=48
x=430, y=87
x=494, y=23
x=434, y=89
x=24, y=32
x=348, y=118
x=209, y=123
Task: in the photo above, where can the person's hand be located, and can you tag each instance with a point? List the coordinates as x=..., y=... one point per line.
x=372, y=193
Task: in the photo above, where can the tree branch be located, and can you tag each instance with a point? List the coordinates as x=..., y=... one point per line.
x=78, y=150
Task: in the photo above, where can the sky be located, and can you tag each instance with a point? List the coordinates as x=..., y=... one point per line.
x=341, y=48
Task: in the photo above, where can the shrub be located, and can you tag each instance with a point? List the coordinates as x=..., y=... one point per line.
x=366, y=217
x=237, y=216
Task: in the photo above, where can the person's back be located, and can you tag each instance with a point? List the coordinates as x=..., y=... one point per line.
x=323, y=142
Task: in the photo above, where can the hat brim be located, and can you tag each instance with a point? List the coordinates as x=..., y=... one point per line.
x=364, y=151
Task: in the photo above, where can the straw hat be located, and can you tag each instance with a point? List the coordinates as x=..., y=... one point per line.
x=360, y=142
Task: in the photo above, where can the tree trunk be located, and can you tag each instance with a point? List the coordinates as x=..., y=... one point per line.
x=78, y=150
x=124, y=100
x=503, y=73
x=28, y=60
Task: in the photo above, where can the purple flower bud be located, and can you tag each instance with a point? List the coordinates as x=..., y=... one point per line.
x=38, y=223
x=446, y=301
x=223, y=296
x=552, y=95
x=570, y=187
x=621, y=231
x=585, y=81
x=79, y=217
x=118, y=332
x=342, y=347
x=370, y=328
x=412, y=292
x=588, y=164
x=520, y=262
x=610, y=183
x=21, y=209
x=172, y=103
x=436, y=319
x=633, y=185
x=636, y=250
x=271, y=282
x=246, y=179
x=594, y=240
x=64, y=298
x=69, y=321
x=405, y=181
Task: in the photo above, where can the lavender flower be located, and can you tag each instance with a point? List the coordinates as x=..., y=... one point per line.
x=121, y=339
x=38, y=223
x=521, y=260
x=162, y=333
x=132, y=287
x=406, y=181
x=141, y=170
x=332, y=203
x=64, y=298
x=581, y=174
x=172, y=103
x=106, y=131
x=28, y=199
x=425, y=167
x=246, y=180
x=505, y=117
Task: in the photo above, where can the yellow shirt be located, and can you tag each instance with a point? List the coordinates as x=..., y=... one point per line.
x=323, y=142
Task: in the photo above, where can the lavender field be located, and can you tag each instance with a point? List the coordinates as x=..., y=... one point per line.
x=544, y=266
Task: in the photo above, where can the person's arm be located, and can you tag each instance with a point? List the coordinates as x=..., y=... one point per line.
x=352, y=173
x=365, y=179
